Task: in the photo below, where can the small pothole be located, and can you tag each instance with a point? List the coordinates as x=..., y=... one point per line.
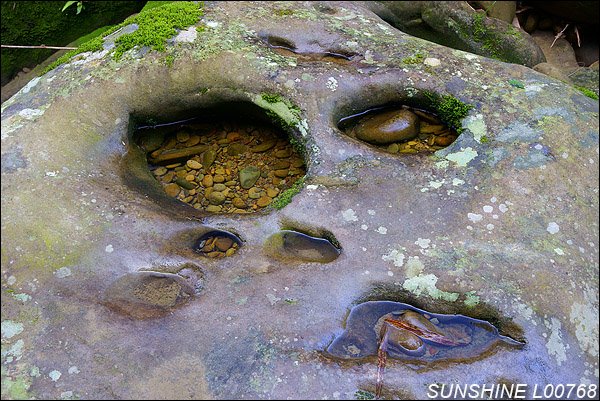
x=399, y=129
x=217, y=244
x=288, y=245
x=222, y=166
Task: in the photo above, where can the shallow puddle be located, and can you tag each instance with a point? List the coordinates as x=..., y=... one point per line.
x=399, y=129
x=222, y=167
x=292, y=245
x=408, y=333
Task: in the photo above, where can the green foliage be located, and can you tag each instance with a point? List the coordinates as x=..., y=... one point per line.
x=169, y=60
x=286, y=196
x=70, y=3
x=155, y=26
x=484, y=139
x=416, y=59
x=450, y=110
x=589, y=93
x=516, y=83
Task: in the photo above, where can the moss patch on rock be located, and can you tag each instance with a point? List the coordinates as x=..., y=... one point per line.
x=155, y=26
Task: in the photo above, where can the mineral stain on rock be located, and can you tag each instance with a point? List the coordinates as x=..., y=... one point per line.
x=292, y=245
x=146, y=294
x=414, y=335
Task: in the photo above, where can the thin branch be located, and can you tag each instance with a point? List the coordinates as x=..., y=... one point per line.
x=559, y=35
x=39, y=47
x=578, y=39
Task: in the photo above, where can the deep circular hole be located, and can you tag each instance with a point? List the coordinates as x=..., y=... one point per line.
x=231, y=158
x=399, y=128
x=217, y=244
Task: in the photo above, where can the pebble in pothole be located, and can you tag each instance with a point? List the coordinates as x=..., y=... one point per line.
x=414, y=334
x=222, y=168
x=147, y=294
x=292, y=245
x=399, y=130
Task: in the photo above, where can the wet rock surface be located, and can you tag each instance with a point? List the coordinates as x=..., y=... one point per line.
x=493, y=226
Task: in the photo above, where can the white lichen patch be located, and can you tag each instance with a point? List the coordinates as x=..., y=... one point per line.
x=474, y=217
x=63, y=272
x=436, y=184
x=425, y=284
x=395, y=256
x=22, y=297
x=414, y=267
x=553, y=228
x=457, y=181
x=349, y=215
x=432, y=62
x=423, y=242
x=381, y=230
x=14, y=353
x=187, y=35
x=10, y=329
x=463, y=157
x=471, y=299
x=30, y=114
x=54, y=375
x=476, y=125
x=109, y=248
x=332, y=84
x=585, y=319
x=559, y=251
x=555, y=344
x=30, y=85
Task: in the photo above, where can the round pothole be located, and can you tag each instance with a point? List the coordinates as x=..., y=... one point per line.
x=219, y=164
x=217, y=244
x=399, y=129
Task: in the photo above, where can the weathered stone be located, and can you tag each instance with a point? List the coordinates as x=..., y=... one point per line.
x=172, y=189
x=263, y=201
x=207, y=181
x=216, y=198
x=208, y=158
x=249, y=176
x=193, y=164
x=263, y=147
x=387, y=127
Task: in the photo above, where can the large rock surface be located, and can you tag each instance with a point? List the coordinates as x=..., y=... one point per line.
x=502, y=225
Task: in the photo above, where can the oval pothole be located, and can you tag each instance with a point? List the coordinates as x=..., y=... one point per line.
x=399, y=129
x=217, y=244
x=289, y=245
x=221, y=165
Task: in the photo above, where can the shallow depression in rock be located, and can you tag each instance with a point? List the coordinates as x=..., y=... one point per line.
x=399, y=129
x=221, y=165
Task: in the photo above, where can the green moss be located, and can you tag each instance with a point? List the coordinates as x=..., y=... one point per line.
x=284, y=12
x=416, y=59
x=169, y=60
x=484, y=139
x=271, y=97
x=516, y=83
x=589, y=93
x=156, y=25
x=450, y=110
x=286, y=196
